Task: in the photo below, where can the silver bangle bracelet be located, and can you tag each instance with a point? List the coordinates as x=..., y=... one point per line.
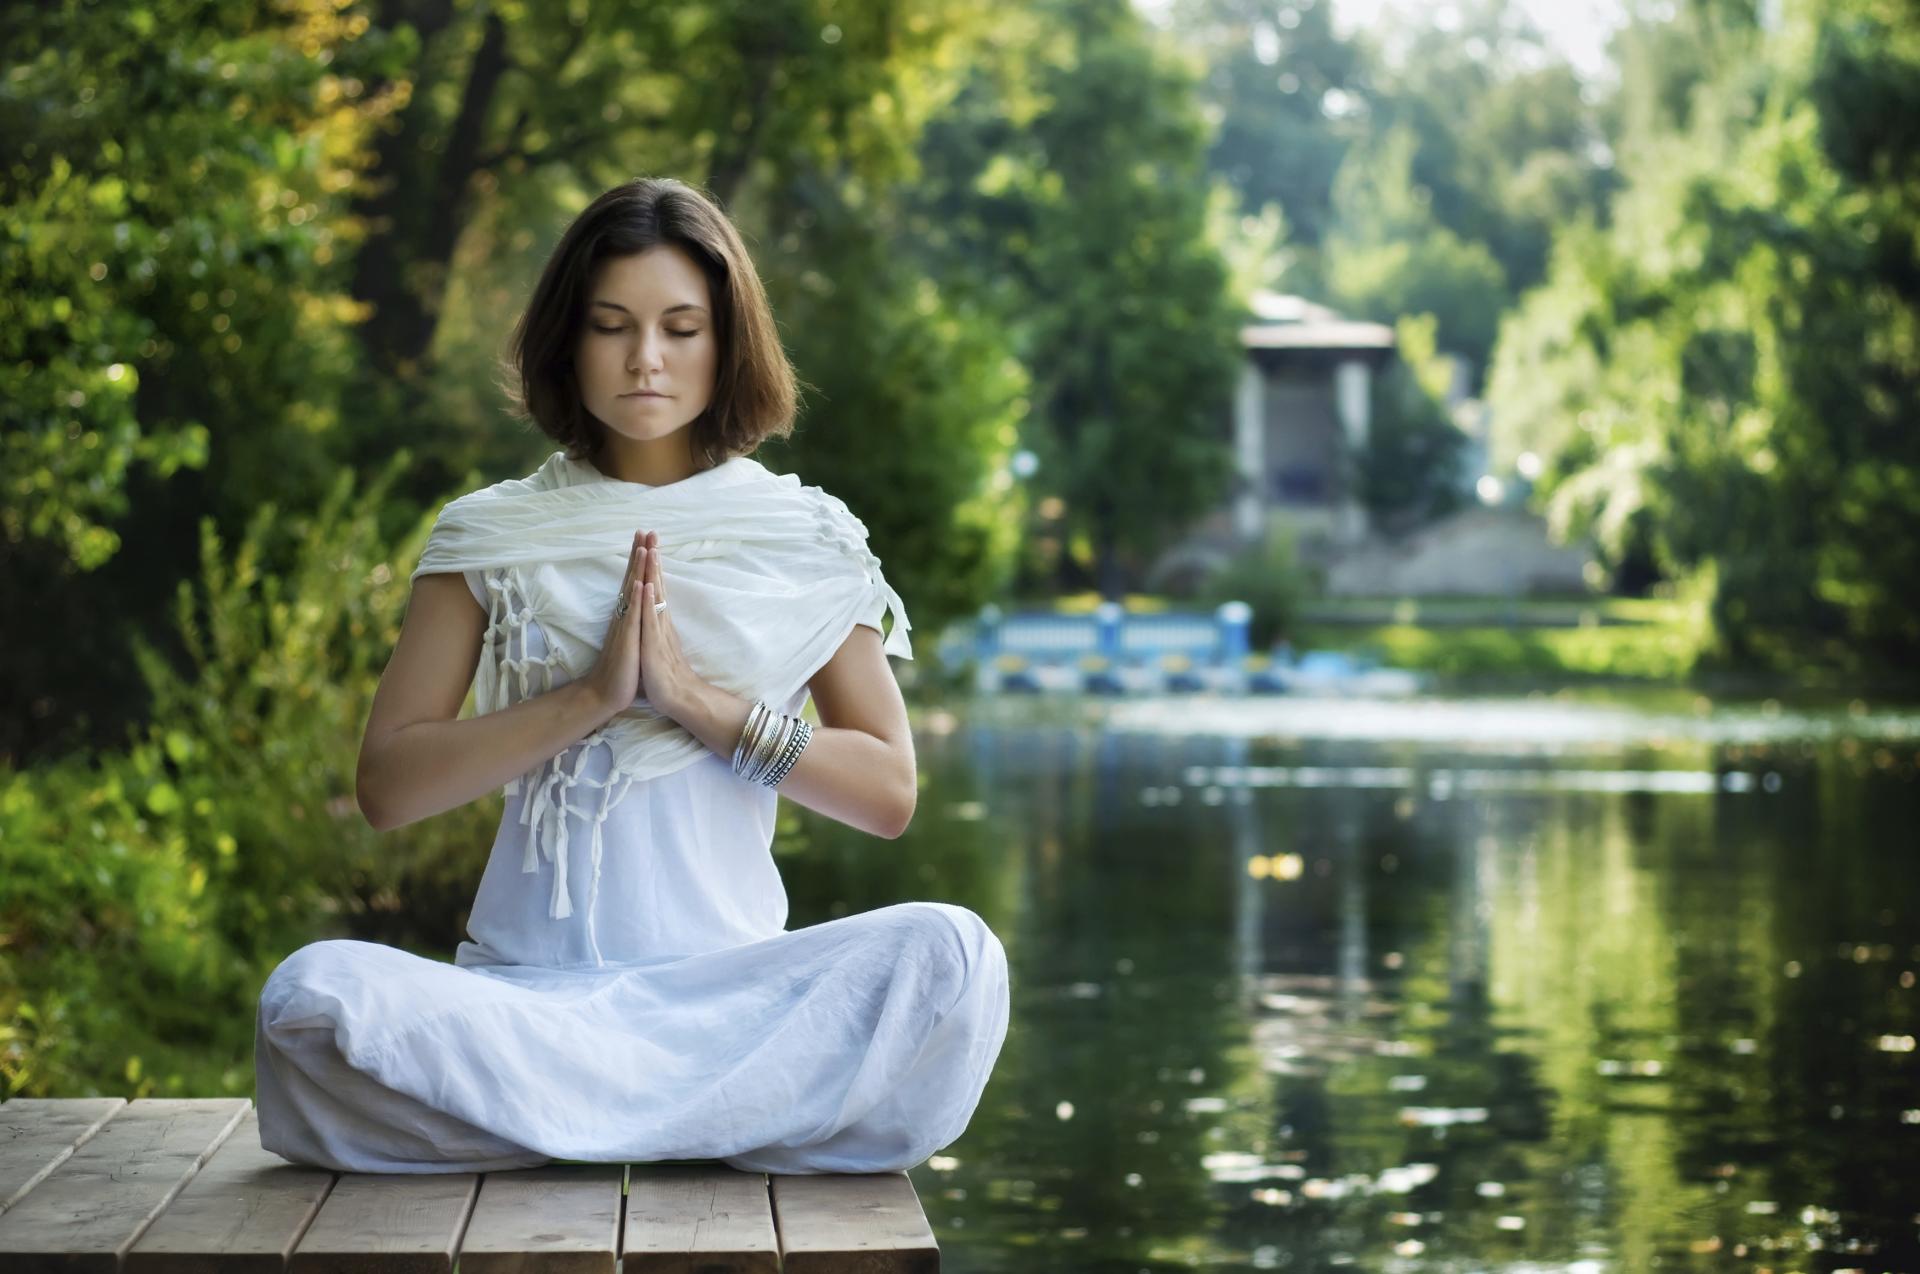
x=770, y=743
x=753, y=753
x=802, y=735
x=772, y=739
x=741, y=748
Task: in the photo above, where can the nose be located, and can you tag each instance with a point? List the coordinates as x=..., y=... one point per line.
x=644, y=353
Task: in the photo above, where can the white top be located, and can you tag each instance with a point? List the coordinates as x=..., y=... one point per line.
x=685, y=861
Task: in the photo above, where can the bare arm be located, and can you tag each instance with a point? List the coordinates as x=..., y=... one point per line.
x=416, y=758
x=859, y=767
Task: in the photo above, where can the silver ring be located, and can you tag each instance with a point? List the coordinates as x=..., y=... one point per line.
x=658, y=607
x=620, y=611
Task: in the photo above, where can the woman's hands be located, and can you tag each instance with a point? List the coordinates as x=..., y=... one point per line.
x=615, y=675
x=641, y=654
x=670, y=680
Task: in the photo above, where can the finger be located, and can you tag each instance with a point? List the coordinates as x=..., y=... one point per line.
x=654, y=576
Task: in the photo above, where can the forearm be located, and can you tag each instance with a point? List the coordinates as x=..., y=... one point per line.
x=429, y=767
x=849, y=775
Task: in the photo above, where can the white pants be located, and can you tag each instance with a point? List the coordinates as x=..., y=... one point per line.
x=858, y=1045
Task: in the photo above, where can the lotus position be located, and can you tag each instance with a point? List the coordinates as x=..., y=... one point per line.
x=642, y=620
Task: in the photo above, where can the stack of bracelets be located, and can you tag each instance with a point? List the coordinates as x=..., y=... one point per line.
x=769, y=744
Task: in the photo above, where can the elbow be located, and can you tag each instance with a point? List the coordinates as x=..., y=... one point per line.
x=902, y=816
x=369, y=813
x=367, y=802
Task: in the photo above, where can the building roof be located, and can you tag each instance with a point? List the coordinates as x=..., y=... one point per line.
x=1285, y=321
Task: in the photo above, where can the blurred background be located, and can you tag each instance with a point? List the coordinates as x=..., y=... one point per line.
x=1410, y=515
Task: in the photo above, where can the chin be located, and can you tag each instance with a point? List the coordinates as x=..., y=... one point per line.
x=644, y=433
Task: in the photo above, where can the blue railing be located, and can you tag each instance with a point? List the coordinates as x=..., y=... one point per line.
x=1109, y=651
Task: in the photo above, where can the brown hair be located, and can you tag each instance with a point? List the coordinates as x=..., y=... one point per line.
x=754, y=386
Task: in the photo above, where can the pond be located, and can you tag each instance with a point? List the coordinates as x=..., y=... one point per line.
x=1556, y=983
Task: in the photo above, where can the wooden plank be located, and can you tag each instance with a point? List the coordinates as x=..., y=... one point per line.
x=852, y=1223
x=90, y=1209
x=38, y=1133
x=558, y=1219
x=698, y=1220
x=388, y=1223
x=243, y=1212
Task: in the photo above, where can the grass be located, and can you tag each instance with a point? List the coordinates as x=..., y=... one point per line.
x=1636, y=652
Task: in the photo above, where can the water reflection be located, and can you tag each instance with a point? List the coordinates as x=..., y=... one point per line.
x=1296, y=996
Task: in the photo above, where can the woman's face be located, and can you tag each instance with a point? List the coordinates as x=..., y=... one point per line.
x=648, y=325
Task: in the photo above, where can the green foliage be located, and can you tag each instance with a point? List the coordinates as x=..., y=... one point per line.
x=150, y=891
x=167, y=205
x=1670, y=645
x=1411, y=470
x=1084, y=212
x=1388, y=255
x=912, y=419
x=1506, y=145
x=1276, y=145
x=1270, y=578
x=1725, y=376
x=172, y=322
x=112, y=949
x=281, y=669
x=1424, y=167
x=242, y=244
x=516, y=116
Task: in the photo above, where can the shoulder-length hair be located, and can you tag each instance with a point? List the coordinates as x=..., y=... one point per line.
x=754, y=384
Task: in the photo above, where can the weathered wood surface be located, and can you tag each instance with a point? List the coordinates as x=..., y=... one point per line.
x=182, y=1186
x=852, y=1225
x=683, y=1220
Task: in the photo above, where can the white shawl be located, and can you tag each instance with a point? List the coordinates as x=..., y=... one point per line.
x=764, y=578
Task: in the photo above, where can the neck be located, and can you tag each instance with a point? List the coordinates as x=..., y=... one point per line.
x=654, y=462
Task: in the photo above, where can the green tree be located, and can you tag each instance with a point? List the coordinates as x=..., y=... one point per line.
x=1728, y=369
x=799, y=117
x=539, y=106
x=913, y=405
x=172, y=322
x=1079, y=201
x=1507, y=146
x=1278, y=77
x=1389, y=256
x=247, y=244
x=1411, y=469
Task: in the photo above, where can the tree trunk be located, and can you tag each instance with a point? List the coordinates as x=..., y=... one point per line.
x=1108, y=569
x=1106, y=561
x=415, y=218
x=735, y=152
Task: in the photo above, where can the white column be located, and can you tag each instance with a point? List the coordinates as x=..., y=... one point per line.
x=1351, y=385
x=1352, y=399
x=1250, y=451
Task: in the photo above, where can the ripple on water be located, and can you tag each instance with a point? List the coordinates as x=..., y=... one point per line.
x=1498, y=720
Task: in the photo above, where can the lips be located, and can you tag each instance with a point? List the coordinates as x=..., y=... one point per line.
x=638, y=393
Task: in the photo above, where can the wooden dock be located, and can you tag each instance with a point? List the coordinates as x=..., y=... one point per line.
x=100, y=1185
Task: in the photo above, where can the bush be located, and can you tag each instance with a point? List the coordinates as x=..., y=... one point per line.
x=150, y=892
x=1271, y=579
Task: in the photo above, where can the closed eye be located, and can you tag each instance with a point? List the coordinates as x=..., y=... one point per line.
x=615, y=330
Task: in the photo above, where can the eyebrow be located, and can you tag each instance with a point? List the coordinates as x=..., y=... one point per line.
x=671, y=309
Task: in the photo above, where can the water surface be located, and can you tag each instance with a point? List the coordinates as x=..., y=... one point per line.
x=1525, y=984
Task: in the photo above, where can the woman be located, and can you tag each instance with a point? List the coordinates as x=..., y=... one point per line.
x=642, y=620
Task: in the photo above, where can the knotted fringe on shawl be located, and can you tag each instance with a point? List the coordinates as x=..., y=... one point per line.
x=548, y=809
